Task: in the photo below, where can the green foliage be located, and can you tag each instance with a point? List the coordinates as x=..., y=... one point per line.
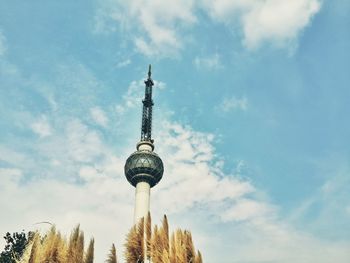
x=15, y=246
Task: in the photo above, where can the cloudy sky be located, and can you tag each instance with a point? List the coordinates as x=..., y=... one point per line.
x=251, y=119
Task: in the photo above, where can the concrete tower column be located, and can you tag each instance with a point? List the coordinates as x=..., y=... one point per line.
x=143, y=189
x=142, y=197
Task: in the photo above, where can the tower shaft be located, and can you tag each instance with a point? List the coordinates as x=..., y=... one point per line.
x=142, y=200
x=142, y=192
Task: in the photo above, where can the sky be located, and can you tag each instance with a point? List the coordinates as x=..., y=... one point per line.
x=251, y=120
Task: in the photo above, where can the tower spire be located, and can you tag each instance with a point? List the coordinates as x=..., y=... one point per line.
x=146, y=128
x=144, y=168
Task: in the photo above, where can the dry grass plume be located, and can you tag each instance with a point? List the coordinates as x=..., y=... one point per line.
x=160, y=248
x=142, y=245
x=112, y=256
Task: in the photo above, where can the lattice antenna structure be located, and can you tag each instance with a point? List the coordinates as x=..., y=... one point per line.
x=146, y=128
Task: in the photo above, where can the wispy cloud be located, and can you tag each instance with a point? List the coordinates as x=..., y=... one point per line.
x=279, y=23
x=84, y=144
x=161, y=28
x=42, y=127
x=3, y=46
x=194, y=179
x=208, y=62
x=155, y=22
x=123, y=63
x=276, y=22
x=330, y=199
x=89, y=166
x=190, y=160
x=99, y=116
x=234, y=103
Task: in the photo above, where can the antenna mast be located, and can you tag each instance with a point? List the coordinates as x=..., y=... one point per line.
x=146, y=128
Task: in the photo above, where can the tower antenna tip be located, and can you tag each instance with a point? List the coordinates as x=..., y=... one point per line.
x=149, y=71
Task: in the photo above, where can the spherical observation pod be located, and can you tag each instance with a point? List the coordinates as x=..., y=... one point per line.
x=144, y=166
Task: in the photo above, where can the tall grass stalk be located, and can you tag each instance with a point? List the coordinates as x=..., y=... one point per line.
x=89, y=256
x=112, y=256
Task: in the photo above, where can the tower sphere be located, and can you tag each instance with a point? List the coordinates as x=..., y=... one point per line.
x=144, y=166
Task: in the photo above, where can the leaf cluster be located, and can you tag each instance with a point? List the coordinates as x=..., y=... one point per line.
x=15, y=246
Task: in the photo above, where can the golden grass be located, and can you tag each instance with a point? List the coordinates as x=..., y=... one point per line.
x=142, y=245
x=159, y=247
x=112, y=257
x=52, y=248
x=89, y=256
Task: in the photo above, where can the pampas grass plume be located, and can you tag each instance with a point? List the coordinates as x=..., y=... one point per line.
x=112, y=257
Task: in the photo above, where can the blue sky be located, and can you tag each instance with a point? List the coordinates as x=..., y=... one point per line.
x=251, y=120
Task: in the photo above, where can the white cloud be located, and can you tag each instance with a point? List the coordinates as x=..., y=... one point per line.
x=134, y=94
x=278, y=22
x=6, y=68
x=160, y=28
x=84, y=144
x=82, y=181
x=209, y=62
x=42, y=127
x=233, y=103
x=103, y=194
x=194, y=187
x=347, y=209
x=245, y=209
x=155, y=22
x=274, y=241
x=9, y=176
x=123, y=63
x=12, y=157
x=189, y=158
x=3, y=46
x=99, y=116
x=72, y=146
x=107, y=200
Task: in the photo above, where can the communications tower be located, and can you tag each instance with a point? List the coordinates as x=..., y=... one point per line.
x=144, y=168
